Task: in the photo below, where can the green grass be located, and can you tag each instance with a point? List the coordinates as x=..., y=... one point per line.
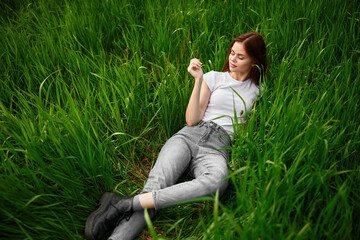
x=90, y=90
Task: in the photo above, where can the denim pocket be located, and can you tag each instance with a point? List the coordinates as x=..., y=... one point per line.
x=215, y=140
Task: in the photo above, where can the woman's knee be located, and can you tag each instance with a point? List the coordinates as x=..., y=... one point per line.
x=223, y=185
x=220, y=185
x=216, y=181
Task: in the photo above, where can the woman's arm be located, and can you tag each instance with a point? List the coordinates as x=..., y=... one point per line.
x=200, y=95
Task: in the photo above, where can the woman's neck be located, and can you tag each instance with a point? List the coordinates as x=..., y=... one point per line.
x=239, y=76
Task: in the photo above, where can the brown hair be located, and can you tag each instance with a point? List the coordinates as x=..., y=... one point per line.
x=255, y=47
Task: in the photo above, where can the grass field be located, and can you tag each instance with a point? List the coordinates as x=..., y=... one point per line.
x=90, y=90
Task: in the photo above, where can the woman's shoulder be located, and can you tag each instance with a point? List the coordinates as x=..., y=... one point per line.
x=215, y=73
x=214, y=79
x=255, y=89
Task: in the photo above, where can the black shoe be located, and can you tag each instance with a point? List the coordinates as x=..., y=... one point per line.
x=113, y=208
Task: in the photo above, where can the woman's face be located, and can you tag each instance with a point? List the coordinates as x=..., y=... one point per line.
x=239, y=60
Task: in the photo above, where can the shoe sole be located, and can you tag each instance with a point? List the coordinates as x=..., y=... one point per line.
x=105, y=201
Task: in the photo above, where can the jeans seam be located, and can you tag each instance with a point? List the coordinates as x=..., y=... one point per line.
x=205, y=136
x=156, y=206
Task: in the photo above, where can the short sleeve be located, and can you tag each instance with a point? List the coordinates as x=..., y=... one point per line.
x=209, y=78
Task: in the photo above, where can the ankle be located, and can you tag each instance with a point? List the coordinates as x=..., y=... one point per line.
x=147, y=200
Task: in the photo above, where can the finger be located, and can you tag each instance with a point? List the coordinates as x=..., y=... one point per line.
x=195, y=60
x=198, y=62
x=196, y=65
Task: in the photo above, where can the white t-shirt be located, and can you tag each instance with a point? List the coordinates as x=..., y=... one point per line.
x=223, y=99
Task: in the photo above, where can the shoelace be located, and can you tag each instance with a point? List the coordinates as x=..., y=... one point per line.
x=127, y=217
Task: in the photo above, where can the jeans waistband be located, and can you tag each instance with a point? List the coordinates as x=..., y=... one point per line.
x=210, y=124
x=216, y=127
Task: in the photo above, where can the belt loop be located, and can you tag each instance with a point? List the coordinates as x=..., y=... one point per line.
x=214, y=125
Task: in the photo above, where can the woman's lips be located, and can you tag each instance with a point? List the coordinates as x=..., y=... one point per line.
x=232, y=65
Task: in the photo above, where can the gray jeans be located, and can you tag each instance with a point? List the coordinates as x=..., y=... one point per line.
x=198, y=149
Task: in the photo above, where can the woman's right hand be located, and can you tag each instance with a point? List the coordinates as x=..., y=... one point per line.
x=200, y=95
x=195, y=68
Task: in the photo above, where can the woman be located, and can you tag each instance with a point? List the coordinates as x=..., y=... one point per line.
x=197, y=148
